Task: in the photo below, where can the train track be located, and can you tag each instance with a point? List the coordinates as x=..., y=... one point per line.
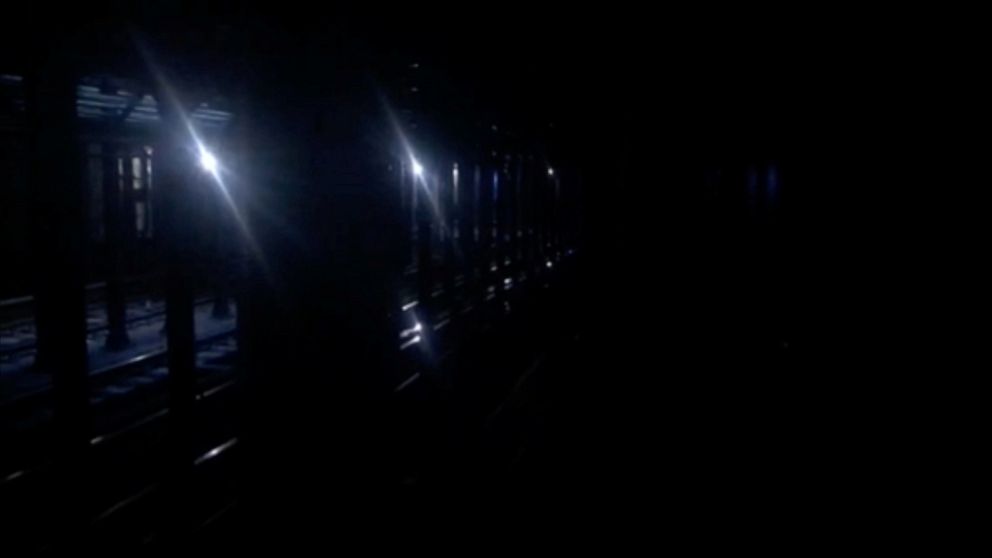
x=124, y=463
x=106, y=375
x=136, y=503
x=27, y=346
x=124, y=454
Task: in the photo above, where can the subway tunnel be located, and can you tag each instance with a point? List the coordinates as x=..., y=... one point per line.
x=401, y=281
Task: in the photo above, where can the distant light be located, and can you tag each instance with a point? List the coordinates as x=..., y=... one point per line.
x=410, y=343
x=417, y=328
x=418, y=169
x=549, y=264
x=208, y=161
x=407, y=382
x=216, y=451
x=551, y=171
x=14, y=475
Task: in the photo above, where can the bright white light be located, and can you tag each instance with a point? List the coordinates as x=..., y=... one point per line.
x=208, y=161
x=551, y=171
x=411, y=331
x=418, y=169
